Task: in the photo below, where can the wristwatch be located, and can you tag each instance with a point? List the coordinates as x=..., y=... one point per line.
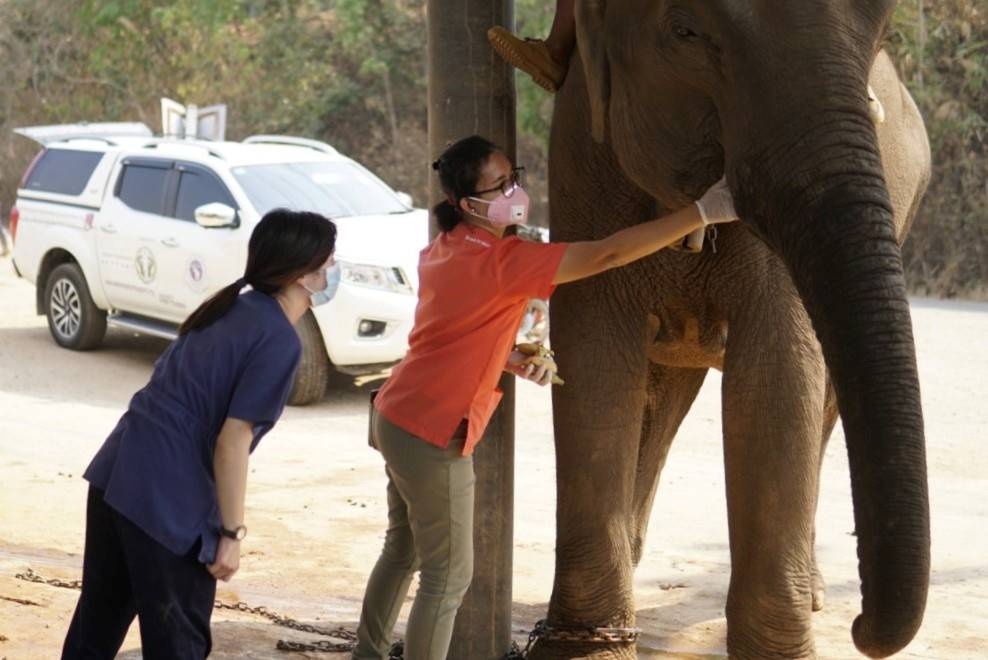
x=236, y=534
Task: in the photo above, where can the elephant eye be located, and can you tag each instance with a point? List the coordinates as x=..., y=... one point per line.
x=683, y=32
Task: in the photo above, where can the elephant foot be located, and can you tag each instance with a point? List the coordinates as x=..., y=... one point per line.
x=760, y=645
x=770, y=637
x=819, y=589
x=552, y=650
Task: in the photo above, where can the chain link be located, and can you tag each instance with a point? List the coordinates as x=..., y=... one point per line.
x=31, y=576
x=542, y=630
x=349, y=637
x=321, y=646
x=515, y=653
x=712, y=234
x=287, y=622
x=588, y=634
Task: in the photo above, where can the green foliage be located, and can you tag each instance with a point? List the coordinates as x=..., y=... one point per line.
x=352, y=72
x=533, y=18
x=943, y=60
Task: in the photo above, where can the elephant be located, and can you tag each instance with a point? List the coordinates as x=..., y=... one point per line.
x=802, y=305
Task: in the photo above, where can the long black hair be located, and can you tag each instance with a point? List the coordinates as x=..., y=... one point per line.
x=284, y=246
x=459, y=170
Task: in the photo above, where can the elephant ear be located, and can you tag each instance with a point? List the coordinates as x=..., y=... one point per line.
x=590, y=38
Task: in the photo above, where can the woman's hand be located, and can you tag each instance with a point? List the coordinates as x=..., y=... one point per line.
x=516, y=365
x=227, y=559
x=717, y=204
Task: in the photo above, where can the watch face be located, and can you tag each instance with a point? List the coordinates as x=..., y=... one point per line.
x=238, y=533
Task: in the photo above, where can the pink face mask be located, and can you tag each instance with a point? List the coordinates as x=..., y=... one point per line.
x=504, y=211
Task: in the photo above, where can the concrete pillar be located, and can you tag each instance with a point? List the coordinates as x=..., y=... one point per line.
x=471, y=91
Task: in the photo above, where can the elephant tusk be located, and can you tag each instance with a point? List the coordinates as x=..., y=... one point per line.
x=875, y=107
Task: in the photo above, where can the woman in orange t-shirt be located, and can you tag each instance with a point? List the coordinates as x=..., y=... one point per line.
x=474, y=286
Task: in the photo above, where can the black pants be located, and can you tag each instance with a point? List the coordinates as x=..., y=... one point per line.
x=126, y=573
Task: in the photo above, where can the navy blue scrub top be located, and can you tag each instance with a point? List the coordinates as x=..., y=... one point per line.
x=156, y=468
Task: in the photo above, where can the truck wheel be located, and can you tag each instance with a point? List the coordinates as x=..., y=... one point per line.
x=74, y=319
x=313, y=368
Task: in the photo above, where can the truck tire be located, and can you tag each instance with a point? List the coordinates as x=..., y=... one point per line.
x=313, y=368
x=74, y=320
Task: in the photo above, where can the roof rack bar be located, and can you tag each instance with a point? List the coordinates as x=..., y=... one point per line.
x=97, y=138
x=159, y=142
x=289, y=140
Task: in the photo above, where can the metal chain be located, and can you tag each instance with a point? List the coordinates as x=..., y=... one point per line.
x=587, y=634
x=712, y=237
x=287, y=622
x=321, y=646
x=515, y=653
x=348, y=636
x=31, y=576
x=542, y=630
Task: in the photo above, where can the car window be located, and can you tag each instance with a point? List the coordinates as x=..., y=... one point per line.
x=64, y=171
x=196, y=189
x=335, y=189
x=142, y=188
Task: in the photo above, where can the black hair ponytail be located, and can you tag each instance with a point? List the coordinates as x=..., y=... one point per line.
x=459, y=169
x=447, y=215
x=284, y=246
x=211, y=310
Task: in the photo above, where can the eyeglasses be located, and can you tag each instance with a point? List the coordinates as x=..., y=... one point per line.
x=509, y=186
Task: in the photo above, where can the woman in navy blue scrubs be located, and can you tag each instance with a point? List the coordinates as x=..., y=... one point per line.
x=165, y=515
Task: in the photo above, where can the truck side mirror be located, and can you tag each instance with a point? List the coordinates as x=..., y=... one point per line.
x=216, y=216
x=404, y=198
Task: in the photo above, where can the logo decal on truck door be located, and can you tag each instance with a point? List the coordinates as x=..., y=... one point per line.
x=195, y=275
x=145, y=265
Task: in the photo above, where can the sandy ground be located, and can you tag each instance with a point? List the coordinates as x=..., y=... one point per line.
x=316, y=506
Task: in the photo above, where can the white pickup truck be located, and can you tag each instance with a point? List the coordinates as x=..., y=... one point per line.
x=115, y=227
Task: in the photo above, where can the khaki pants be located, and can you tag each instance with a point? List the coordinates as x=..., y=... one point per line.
x=430, y=529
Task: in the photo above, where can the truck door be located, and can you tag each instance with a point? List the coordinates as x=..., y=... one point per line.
x=197, y=261
x=128, y=242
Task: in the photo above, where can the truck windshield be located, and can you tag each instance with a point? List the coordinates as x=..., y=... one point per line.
x=335, y=189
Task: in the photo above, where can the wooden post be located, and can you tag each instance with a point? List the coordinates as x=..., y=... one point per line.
x=471, y=91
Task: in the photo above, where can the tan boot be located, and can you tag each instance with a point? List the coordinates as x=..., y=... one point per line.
x=529, y=55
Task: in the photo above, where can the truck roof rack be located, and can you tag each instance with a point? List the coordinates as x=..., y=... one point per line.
x=163, y=142
x=288, y=140
x=97, y=138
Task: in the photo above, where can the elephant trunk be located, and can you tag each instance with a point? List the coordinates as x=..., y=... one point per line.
x=834, y=229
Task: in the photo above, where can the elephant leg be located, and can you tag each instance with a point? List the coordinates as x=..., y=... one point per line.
x=599, y=343
x=773, y=388
x=830, y=415
x=670, y=393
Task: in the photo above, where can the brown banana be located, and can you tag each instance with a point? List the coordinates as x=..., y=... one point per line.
x=539, y=355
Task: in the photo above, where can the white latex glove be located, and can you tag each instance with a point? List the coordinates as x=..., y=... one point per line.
x=717, y=205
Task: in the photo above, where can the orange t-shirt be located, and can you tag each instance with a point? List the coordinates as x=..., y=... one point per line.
x=473, y=290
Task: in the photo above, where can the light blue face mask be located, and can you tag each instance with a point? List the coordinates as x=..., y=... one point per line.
x=333, y=276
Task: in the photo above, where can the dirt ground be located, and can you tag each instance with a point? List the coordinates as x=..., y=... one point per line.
x=316, y=505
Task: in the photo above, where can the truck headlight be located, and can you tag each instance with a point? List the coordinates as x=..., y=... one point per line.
x=375, y=277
